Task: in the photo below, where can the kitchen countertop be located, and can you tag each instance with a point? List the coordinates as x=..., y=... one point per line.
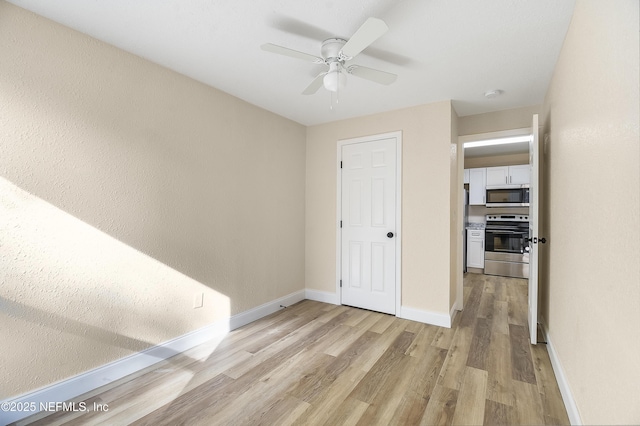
x=473, y=225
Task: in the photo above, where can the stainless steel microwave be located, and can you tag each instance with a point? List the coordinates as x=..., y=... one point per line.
x=508, y=196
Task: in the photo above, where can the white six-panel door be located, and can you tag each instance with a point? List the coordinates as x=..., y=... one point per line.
x=368, y=232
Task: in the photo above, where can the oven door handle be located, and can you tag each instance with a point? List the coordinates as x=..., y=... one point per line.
x=500, y=231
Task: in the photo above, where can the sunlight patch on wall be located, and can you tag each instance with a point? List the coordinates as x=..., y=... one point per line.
x=74, y=297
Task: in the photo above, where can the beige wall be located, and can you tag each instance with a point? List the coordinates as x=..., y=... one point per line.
x=126, y=189
x=497, y=160
x=517, y=118
x=456, y=219
x=426, y=201
x=591, y=299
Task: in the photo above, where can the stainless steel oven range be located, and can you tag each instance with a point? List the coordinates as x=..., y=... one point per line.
x=506, y=245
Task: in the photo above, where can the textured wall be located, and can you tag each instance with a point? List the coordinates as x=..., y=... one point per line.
x=592, y=299
x=426, y=195
x=126, y=189
x=516, y=118
x=456, y=213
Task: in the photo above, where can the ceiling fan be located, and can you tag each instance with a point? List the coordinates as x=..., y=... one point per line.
x=336, y=52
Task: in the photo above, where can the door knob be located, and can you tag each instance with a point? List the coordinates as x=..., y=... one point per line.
x=537, y=240
x=390, y=235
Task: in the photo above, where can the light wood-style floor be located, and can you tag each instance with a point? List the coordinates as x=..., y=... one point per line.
x=314, y=364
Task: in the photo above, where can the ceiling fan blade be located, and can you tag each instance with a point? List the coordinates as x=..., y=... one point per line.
x=274, y=48
x=315, y=84
x=371, y=74
x=369, y=32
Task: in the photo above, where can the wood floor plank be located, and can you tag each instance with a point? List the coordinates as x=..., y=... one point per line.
x=500, y=289
x=521, y=360
x=342, y=376
x=381, y=373
x=517, y=298
x=186, y=405
x=313, y=363
x=479, y=349
x=527, y=404
x=297, y=412
x=358, y=316
x=497, y=414
x=283, y=411
x=350, y=412
x=369, y=320
x=500, y=323
x=424, y=371
x=340, y=345
x=311, y=385
x=553, y=407
x=382, y=324
x=499, y=378
x=289, y=341
x=219, y=397
x=403, y=399
x=268, y=397
x=444, y=336
x=454, y=366
x=441, y=407
x=383, y=407
x=470, y=312
x=323, y=404
x=486, y=305
x=330, y=314
x=384, y=342
x=422, y=343
x=471, y=398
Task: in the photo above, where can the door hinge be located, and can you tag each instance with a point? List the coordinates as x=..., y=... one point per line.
x=340, y=224
x=340, y=283
x=341, y=164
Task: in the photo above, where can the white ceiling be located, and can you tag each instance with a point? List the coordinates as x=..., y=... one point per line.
x=440, y=49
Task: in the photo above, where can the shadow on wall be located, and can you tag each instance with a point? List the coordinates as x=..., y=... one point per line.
x=73, y=298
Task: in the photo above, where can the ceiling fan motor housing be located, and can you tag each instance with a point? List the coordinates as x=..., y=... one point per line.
x=336, y=77
x=331, y=48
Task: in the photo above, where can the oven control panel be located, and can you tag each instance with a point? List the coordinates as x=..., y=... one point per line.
x=508, y=217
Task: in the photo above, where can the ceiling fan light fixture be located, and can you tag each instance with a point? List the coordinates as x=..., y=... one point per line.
x=335, y=79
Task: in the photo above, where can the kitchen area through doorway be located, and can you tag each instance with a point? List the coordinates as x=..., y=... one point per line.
x=496, y=203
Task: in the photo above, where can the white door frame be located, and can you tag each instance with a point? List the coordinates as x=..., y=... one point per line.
x=398, y=230
x=534, y=230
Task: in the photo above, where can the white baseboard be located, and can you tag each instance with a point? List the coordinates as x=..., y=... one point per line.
x=563, y=383
x=75, y=386
x=262, y=311
x=322, y=296
x=427, y=317
x=454, y=310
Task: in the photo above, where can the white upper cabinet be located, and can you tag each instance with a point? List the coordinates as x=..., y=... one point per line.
x=477, y=186
x=508, y=175
x=466, y=176
x=520, y=175
x=497, y=175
